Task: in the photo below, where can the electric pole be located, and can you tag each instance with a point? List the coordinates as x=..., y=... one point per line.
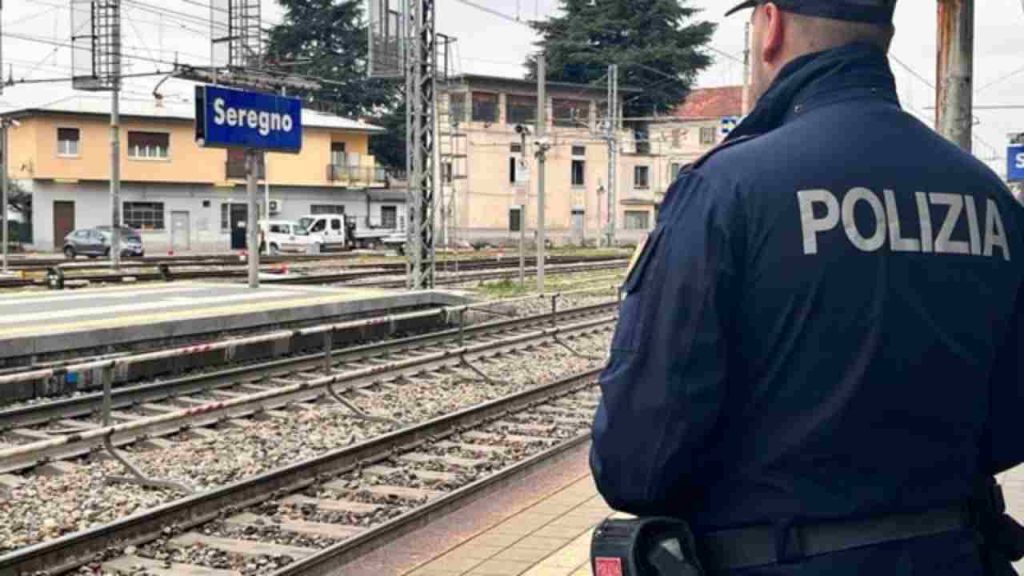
x=252, y=216
x=955, y=75
x=4, y=123
x=542, y=150
x=613, y=145
x=115, y=168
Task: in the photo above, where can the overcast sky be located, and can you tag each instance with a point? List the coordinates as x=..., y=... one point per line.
x=158, y=31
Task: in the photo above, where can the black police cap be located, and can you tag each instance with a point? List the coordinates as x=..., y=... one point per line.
x=870, y=11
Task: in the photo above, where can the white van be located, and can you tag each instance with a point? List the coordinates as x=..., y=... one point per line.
x=330, y=227
x=283, y=236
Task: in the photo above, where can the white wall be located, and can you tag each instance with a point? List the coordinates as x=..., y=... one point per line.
x=202, y=203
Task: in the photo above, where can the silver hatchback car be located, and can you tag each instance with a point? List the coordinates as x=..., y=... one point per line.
x=95, y=242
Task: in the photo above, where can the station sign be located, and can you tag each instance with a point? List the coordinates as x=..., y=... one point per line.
x=230, y=118
x=1015, y=163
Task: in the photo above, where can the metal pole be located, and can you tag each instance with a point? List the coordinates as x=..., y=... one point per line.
x=4, y=123
x=115, y=175
x=252, y=218
x=746, y=70
x=613, y=144
x=266, y=199
x=522, y=218
x=541, y=162
x=955, y=74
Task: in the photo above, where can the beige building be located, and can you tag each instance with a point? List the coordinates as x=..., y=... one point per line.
x=180, y=196
x=488, y=169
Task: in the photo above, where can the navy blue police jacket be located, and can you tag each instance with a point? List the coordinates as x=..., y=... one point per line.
x=824, y=324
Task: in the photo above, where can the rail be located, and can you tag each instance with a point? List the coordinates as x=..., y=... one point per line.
x=26, y=455
x=73, y=550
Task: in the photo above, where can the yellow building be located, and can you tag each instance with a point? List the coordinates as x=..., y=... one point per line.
x=489, y=170
x=180, y=196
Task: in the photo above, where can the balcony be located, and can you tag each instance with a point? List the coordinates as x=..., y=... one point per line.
x=235, y=170
x=357, y=175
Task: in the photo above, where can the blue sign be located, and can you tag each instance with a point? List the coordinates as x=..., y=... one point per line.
x=1015, y=163
x=228, y=118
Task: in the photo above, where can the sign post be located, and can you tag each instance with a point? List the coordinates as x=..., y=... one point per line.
x=254, y=122
x=1015, y=163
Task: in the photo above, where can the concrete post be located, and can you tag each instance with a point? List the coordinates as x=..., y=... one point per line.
x=252, y=217
x=542, y=121
x=955, y=74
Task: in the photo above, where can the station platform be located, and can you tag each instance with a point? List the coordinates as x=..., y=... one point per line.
x=40, y=323
x=539, y=526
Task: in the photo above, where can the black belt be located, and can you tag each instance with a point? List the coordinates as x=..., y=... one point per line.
x=764, y=545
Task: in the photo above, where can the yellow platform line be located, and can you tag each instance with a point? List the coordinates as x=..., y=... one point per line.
x=153, y=318
x=103, y=289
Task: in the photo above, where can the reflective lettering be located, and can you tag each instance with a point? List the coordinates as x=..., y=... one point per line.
x=944, y=242
x=898, y=243
x=811, y=225
x=232, y=116
x=254, y=119
x=1020, y=160
x=286, y=123
x=995, y=234
x=972, y=224
x=925, y=215
x=850, y=222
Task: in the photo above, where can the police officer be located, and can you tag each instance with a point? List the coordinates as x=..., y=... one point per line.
x=818, y=356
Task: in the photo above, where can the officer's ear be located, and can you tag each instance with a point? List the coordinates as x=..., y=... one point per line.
x=773, y=32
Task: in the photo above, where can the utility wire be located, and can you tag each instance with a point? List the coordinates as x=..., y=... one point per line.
x=494, y=12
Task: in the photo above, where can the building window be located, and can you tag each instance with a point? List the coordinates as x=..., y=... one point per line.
x=707, y=135
x=515, y=219
x=389, y=217
x=67, y=141
x=521, y=109
x=447, y=172
x=327, y=209
x=641, y=177
x=457, y=108
x=571, y=113
x=338, y=154
x=674, y=170
x=236, y=165
x=485, y=107
x=676, y=137
x=516, y=148
x=149, y=145
x=579, y=150
x=637, y=220
x=144, y=215
x=232, y=211
x=578, y=170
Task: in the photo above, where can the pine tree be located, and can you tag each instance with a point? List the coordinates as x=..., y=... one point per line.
x=656, y=43
x=327, y=39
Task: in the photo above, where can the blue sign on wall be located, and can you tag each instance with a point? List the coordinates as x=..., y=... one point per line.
x=1015, y=163
x=228, y=118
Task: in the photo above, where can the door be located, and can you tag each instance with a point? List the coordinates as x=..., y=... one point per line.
x=237, y=215
x=180, y=234
x=63, y=221
x=578, y=224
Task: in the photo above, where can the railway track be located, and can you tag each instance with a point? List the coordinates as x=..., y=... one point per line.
x=350, y=272
x=41, y=433
x=311, y=517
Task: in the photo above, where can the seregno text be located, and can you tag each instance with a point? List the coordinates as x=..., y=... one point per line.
x=939, y=219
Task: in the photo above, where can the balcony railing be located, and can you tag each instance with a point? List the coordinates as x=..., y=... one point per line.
x=235, y=170
x=359, y=174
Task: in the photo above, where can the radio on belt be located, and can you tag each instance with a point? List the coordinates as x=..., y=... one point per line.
x=644, y=547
